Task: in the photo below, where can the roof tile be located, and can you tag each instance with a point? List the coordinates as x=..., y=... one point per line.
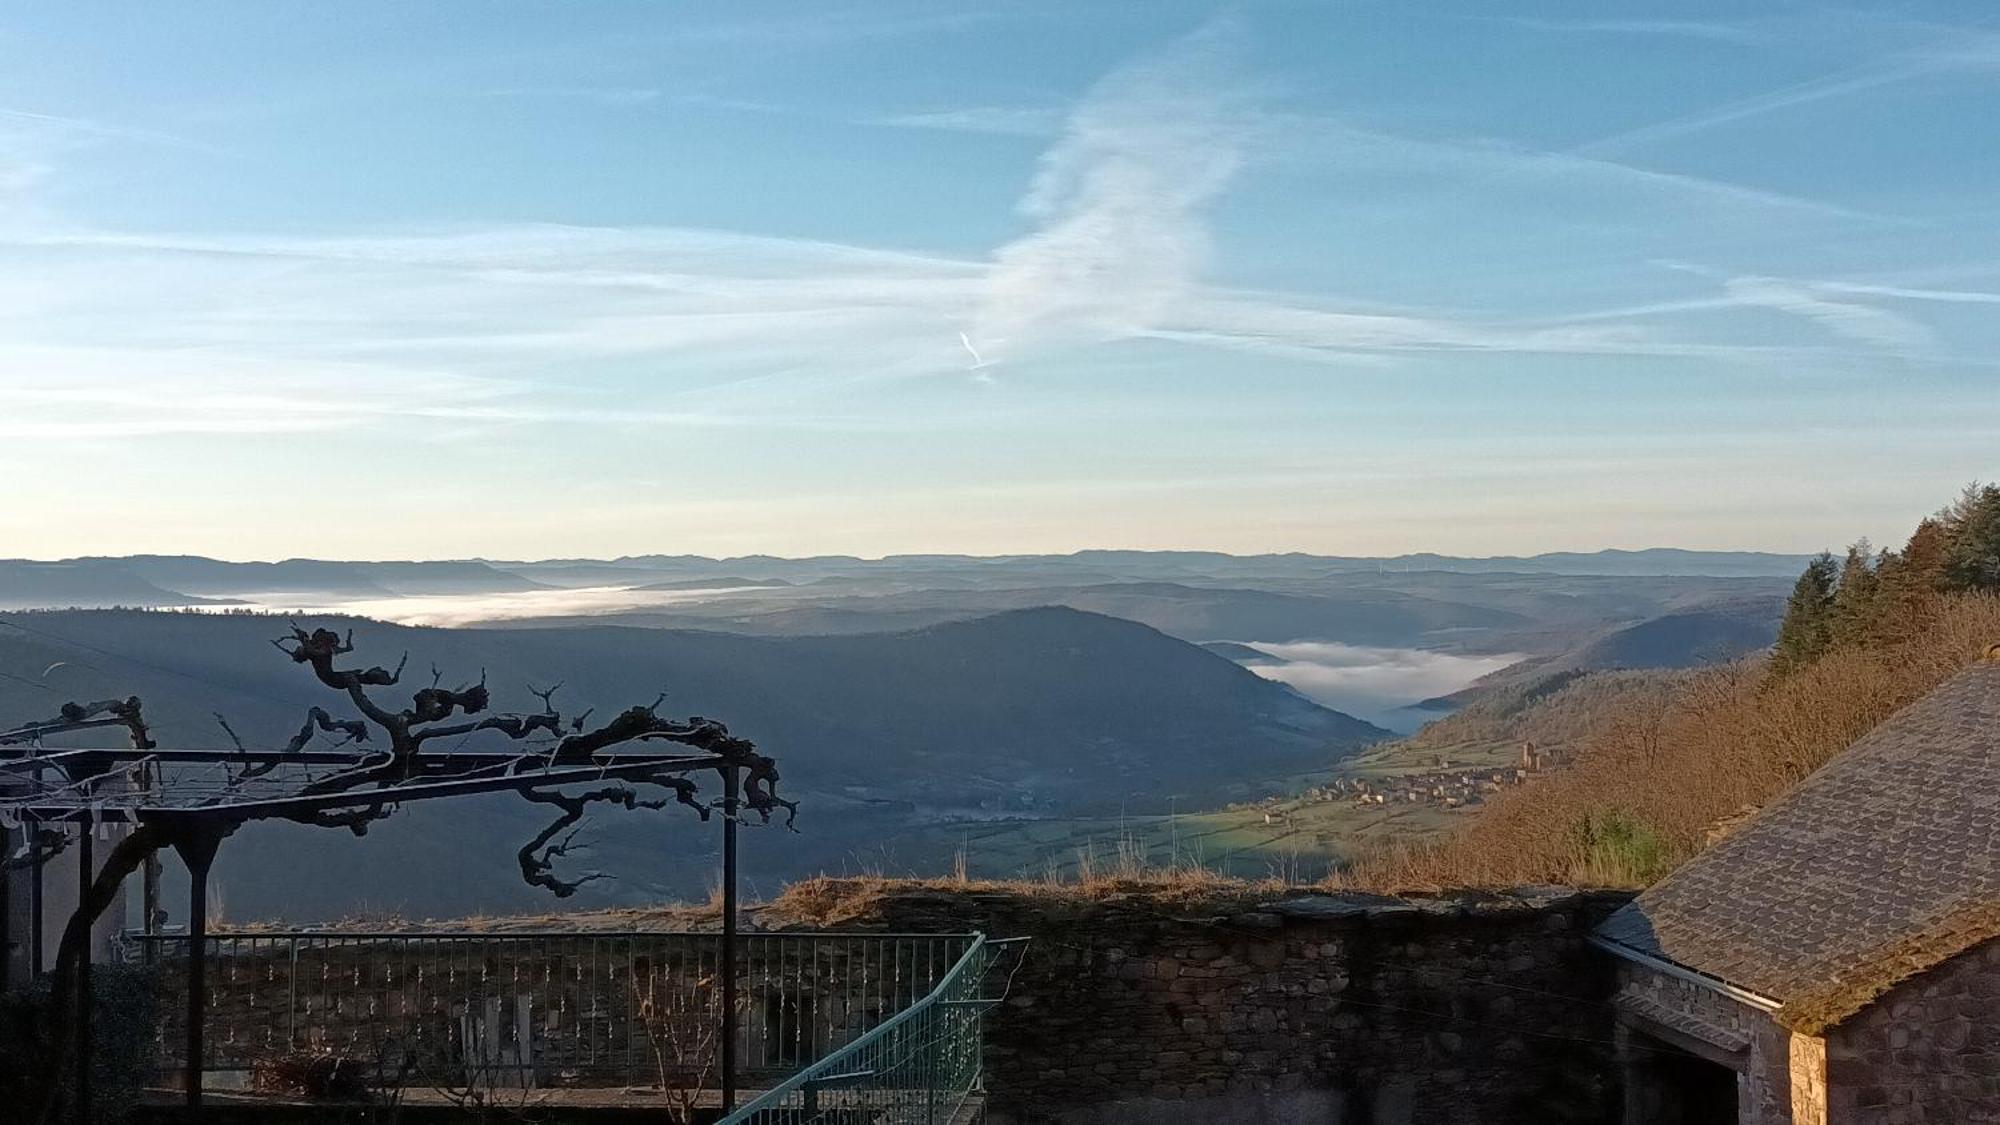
x=1883, y=862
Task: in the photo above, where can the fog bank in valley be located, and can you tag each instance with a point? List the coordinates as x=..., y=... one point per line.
x=1373, y=683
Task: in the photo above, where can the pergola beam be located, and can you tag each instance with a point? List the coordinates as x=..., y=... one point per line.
x=147, y=807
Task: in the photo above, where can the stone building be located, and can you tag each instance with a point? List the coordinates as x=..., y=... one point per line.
x=1835, y=959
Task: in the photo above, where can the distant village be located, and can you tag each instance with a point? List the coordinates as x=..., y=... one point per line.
x=1442, y=785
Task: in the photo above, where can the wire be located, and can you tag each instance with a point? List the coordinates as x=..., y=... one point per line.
x=31, y=683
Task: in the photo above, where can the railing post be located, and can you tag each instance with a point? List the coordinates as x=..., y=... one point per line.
x=730, y=792
x=150, y=903
x=6, y=911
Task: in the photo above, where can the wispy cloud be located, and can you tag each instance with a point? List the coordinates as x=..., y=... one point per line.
x=1484, y=163
x=1965, y=49
x=602, y=95
x=1682, y=29
x=83, y=392
x=473, y=332
x=1116, y=202
x=80, y=127
x=1850, y=320
x=1905, y=293
x=1011, y=121
x=1823, y=303
x=664, y=326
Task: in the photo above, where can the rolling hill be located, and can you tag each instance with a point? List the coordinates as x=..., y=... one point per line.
x=1026, y=713
x=26, y=584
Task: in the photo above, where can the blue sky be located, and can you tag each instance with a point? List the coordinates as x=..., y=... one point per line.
x=504, y=279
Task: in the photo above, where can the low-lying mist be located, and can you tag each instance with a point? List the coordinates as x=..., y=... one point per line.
x=1375, y=684
x=454, y=610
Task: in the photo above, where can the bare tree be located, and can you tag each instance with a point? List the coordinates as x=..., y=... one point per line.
x=403, y=741
x=682, y=1022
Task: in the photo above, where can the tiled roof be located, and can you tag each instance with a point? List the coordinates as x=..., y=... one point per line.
x=1881, y=864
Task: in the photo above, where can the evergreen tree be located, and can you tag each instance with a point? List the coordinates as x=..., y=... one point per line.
x=1808, y=628
x=1907, y=581
x=1855, y=597
x=1972, y=560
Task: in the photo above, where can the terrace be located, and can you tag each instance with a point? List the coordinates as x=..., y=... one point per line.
x=287, y=1024
x=815, y=1026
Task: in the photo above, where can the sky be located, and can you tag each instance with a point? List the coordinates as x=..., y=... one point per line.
x=500, y=279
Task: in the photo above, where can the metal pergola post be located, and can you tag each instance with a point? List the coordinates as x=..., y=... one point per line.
x=6, y=910
x=35, y=860
x=197, y=849
x=731, y=784
x=85, y=872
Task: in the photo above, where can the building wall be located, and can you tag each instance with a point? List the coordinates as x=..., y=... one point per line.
x=59, y=898
x=1677, y=1013
x=1330, y=1009
x=1928, y=1050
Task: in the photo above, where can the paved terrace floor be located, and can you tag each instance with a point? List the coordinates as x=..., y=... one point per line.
x=166, y=1107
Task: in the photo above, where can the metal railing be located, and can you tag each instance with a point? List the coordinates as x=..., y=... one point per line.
x=919, y=1067
x=533, y=1010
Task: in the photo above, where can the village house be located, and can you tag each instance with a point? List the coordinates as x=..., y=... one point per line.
x=1835, y=959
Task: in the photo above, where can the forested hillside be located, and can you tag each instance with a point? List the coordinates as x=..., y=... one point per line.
x=1655, y=777
x=1032, y=712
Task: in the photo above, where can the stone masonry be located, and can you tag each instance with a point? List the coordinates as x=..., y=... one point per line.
x=1323, y=1008
x=1928, y=1050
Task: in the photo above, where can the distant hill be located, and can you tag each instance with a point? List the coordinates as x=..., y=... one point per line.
x=1664, y=561
x=1534, y=605
x=1194, y=613
x=192, y=574
x=730, y=582
x=1242, y=654
x=82, y=582
x=1033, y=712
x=1688, y=638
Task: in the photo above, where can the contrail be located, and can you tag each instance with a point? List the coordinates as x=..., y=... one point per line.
x=977, y=361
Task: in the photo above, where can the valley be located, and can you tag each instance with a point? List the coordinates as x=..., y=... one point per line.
x=1032, y=716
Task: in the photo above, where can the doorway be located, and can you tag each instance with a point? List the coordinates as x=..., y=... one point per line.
x=1665, y=1085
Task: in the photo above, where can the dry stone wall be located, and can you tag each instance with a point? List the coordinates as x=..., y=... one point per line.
x=1927, y=1050
x=1328, y=1008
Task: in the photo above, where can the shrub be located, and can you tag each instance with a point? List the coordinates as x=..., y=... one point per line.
x=121, y=1044
x=314, y=1075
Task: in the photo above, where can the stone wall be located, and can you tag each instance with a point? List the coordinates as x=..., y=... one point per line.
x=1675, y=1013
x=583, y=1009
x=1329, y=1009
x=1927, y=1050
x=59, y=898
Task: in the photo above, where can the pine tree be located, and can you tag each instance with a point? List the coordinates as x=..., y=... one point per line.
x=1855, y=597
x=1908, y=580
x=1808, y=628
x=1972, y=560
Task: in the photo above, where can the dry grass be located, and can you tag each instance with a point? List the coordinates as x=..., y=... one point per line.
x=1555, y=712
x=1643, y=793
x=833, y=902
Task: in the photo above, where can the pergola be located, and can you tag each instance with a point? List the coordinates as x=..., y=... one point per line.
x=194, y=799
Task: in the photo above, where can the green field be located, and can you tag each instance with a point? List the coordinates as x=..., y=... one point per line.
x=1290, y=837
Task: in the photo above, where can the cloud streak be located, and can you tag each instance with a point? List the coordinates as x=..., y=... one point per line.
x=1962, y=49
x=1116, y=203
x=1850, y=320
x=1005, y=121
x=478, y=331
x=1679, y=29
